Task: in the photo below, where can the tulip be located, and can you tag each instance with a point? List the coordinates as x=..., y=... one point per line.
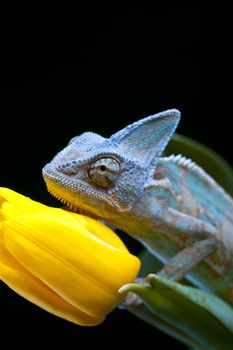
x=68, y=264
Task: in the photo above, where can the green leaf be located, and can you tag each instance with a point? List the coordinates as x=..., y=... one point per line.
x=142, y=312
x=209, y=160
x=200, y=316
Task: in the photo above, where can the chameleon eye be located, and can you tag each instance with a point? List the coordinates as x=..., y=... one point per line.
x=104, y=171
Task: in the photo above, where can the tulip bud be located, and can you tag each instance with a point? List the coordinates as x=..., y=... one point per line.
x=67, y=263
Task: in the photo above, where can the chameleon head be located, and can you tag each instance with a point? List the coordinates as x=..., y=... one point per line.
x=87, y=177
x=105, y=177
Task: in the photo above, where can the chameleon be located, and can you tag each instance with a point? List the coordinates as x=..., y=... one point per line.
x=169, y=204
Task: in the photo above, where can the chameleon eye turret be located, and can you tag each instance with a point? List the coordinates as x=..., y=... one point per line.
x=104, y=171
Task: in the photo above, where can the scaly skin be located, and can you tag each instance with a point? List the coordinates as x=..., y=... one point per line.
x=169, y=204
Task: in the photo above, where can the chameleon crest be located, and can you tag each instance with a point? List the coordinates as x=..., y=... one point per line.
x=169, y=204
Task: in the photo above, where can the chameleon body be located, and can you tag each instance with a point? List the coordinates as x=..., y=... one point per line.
x=169, y=204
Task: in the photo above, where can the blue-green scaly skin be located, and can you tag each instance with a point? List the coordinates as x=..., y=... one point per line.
x=169, y=204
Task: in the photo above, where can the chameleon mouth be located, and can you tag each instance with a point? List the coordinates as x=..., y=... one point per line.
x=68, y=205
x=80, y=198
x=55, y=187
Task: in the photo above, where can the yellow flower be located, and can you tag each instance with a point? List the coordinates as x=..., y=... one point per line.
x=68, y=264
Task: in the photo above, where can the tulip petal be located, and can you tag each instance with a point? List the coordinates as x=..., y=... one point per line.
x=79, y=260
x=98, y=229
x=28, y=286
x=21, y=203
x=86, y=283
x=13, y=204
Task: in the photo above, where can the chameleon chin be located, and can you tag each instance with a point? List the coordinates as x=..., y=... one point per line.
x=169, y=204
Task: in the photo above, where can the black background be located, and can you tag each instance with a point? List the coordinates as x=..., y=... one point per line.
x=100, y=72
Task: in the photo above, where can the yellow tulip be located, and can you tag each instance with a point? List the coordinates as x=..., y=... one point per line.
x=66, y=263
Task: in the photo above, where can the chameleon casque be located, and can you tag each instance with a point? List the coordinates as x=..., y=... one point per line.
x=170, y=204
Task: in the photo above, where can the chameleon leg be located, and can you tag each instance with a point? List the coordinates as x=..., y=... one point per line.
x=188, y=258
x=177, y=267
x=184, y=225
